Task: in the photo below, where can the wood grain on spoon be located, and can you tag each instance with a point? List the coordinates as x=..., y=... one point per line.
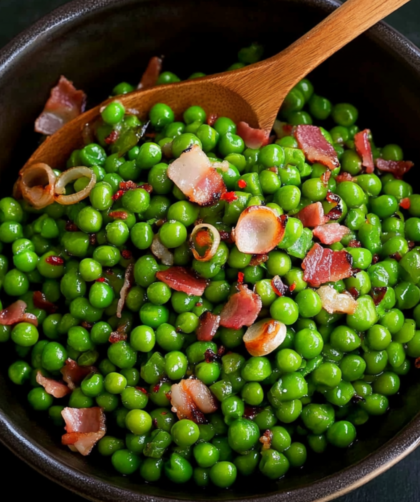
x=253, y=94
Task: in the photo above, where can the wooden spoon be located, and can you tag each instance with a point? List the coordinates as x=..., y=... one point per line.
x=253, y=94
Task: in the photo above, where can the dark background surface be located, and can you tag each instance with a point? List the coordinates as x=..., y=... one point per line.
x=402, y=482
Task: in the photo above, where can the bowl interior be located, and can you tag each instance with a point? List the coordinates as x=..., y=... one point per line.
x=112, y=42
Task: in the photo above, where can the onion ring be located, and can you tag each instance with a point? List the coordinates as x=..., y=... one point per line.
x=36, y=184
x=161, y=252
x=67, y=177
x=211, y=251
x=264, y=336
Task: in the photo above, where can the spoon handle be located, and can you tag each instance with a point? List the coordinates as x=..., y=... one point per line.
x=267, y=83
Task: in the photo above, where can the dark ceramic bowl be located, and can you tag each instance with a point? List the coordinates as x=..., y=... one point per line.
x=97, y=43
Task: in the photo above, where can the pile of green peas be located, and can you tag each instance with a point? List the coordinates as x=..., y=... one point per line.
x=331, y=373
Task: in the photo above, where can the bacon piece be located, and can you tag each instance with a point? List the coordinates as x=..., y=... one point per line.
x=241, y=309
x=354, y=244
x=325, y=178
x=279, y=287
x=117, y=336
x=253, y=138
x=52, y=387
x=64, y=104
x=128, y=283
x=15, y=313
x=41, y=302
x=312, y=215
x=195, y=176
x=315, y=147
x=396, y=167
x=259, y=230
x=282, y=129
x=332, y=301
x=257, y=259
x=73, y=374
x=364, y=149
x=344, y=177
x=209, y=323
x=325, y=265
x=120, y=215
x=330, y=232
x=85, y=427
x=265, y=336
x=251, y=412
x=151, y=74
x=211, y=119
x=161, y=252
x=183, y=279
x=191, y=399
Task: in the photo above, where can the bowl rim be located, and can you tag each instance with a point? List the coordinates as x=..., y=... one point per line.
x=88, y=486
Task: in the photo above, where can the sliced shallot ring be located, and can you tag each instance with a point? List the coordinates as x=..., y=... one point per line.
x=259, y=230
x=333, y=302
x=37, y=185
x=161, y=252
x=72, y=175
x=264, y=336
x=210, y=252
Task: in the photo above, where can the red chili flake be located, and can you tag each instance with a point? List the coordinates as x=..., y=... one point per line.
x=112, y=138
x=71, y=227
x=375, y=258
x=41, y=302
x=100, y=279
x=354, y=292
x=417, y=363
x=92, y=239
x=251, y=412
x=155, y=423
x=151, y=134
x=325, y=177
x=226, y=236
x=126, y=254
x=86, y=325
x=120, y=215
x=405, y=203
x=54, y=260
x=118, y=194
x=168, y=395
x=221, y=350
x=396, y=256
x=142, y=389
x=257, y=259
x=378, y=294
x=210, y=356
x=146, y=187
x=229, y=196
x=266, y=439
x=211, y=119
x=199, y=304
x=164, y=413
x=273, y=169
x=115, y=337
x=242, y=183
x=292, y=287
x=411, y=244
x=241, y=276
x=354, y=244
x=156, y=387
